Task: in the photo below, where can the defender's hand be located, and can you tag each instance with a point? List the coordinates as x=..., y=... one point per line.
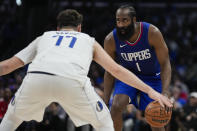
x=163, y=100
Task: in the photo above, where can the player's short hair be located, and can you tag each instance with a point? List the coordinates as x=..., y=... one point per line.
x=69, y=17
x=132, y=12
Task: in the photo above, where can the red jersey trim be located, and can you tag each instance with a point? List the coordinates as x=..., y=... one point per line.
x=139, y=38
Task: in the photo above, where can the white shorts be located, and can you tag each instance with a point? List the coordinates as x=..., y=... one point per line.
x=81, y=102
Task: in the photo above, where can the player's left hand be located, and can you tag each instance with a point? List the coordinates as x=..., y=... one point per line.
x=167, y=94
x=163, y=100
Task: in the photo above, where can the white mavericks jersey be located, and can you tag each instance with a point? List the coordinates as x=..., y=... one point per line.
x=64, y=53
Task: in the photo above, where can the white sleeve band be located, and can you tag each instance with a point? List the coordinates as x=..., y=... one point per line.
x=28, y=53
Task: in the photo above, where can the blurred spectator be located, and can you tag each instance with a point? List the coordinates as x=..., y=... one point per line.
x=4, y=103
x=178, y=101
x=191, y=75
x=184, y=88
x=141, y=124
x=188, y=114
x=129, y=118
x=1, y=94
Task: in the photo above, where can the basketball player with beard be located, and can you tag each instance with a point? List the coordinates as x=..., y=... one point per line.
x=139, y=47
x=59, y=64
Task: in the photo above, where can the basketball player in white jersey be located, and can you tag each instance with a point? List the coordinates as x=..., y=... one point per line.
x=59, y=64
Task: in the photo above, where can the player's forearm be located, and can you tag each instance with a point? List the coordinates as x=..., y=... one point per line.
x=10, y=65
x=1, y=70
x=4, y=68
x=131, y=79
x=108, y=86
x=165, y=77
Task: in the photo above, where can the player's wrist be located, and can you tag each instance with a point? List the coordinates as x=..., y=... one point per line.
x=150, y=91
x=166, y=93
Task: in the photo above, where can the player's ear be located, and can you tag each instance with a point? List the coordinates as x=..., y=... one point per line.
x=134, y=19
x=79, y=28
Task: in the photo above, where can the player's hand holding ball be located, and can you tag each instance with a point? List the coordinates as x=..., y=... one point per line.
x=156, y=115
x=163, y=100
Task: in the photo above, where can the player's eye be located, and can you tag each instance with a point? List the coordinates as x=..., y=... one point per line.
x=117, y=20
x=125, y=20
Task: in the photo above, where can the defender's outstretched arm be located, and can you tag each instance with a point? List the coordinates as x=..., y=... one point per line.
x=10, y=65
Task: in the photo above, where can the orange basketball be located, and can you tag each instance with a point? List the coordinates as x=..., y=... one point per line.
x=156, y=115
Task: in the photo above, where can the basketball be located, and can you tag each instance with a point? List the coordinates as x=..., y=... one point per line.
x=156, y=115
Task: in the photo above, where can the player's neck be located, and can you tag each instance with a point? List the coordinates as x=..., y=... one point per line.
x=136, y=34
x=67, y=29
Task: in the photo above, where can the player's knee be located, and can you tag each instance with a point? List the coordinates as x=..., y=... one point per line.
x=118, y=107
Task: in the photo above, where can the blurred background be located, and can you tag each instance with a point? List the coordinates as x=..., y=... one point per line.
x=21, y=21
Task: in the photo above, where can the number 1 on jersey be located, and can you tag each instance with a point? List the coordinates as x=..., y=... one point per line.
x=138, y=67
x=72, y=42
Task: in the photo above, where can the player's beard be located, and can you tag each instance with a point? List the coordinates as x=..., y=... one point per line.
x=125, y=33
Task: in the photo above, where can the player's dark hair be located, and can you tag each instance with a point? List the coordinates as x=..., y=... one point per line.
x=132, y=12
x=69, y=17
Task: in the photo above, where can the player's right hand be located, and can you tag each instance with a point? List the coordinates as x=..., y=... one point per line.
x=163, y=100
